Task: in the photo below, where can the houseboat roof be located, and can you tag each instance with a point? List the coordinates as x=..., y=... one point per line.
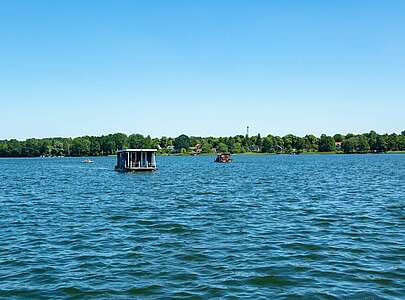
x=137, y=150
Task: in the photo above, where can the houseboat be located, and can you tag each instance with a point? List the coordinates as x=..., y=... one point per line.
x=223, y=158
x=134, y=160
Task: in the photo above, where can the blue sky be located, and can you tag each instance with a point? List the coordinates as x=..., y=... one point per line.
x=70, y=68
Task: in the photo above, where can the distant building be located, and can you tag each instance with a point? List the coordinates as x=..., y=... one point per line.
x=338, y=145
x=196, y=149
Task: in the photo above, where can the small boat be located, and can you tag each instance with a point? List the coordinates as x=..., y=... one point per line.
x=223, y=158
x=88, y=161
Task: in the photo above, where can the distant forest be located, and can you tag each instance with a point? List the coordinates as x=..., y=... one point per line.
x=183, y=144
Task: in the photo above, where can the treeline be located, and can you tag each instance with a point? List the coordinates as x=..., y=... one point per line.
x=108, y=144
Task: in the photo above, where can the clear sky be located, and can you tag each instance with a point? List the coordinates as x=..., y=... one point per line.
x=70, y=68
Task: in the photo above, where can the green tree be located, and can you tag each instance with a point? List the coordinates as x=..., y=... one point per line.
x=311, y=142
x=401, y=142
x=194, y=140
x=259, y=142
x=363, y=144
x=31, y=148
x=222, y=147
x=136, y=141
x=58, y=148
x=95, y=148
x=382, y=143
x=105, y=145
x=15, y=148
x=351, y=144
x=392, y=142
x=237, y=148
x=372, y=140
x=120, y=140
x=108, y=146
x=326, y=143
x=268, y=144
x=338, y=137
x=298, y=143
x=288, y=141
x=155, y=143
x=165, y=142
x=67, y=145
x=206, y=147
x=278, y=143
x=46, y=147
x=4, y=149
x=80, y=146
x=147, y=142
x=182, y=141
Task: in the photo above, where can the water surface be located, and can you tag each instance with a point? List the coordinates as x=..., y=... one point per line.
x=270, y=227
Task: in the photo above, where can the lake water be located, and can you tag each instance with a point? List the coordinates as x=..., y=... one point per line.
x=270, y=227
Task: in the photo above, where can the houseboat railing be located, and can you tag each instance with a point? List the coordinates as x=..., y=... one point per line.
x=141, y=165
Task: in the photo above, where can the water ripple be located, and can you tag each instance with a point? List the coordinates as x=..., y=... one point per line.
x=263, y=227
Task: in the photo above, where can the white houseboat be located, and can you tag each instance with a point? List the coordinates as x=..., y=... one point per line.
x=133, y=160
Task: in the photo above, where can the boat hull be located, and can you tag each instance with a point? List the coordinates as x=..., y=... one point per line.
x=139, y=169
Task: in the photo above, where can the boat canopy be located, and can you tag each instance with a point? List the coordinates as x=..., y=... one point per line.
x=137, y=150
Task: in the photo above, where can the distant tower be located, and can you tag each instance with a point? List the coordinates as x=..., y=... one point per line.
x=247, y=131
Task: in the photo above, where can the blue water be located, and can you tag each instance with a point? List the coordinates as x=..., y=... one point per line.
x=270, y=227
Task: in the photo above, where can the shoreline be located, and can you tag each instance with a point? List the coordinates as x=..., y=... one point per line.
x=234, y=154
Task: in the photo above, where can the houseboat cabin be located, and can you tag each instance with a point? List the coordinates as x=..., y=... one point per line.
x=223, y=158
x=132, y=160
